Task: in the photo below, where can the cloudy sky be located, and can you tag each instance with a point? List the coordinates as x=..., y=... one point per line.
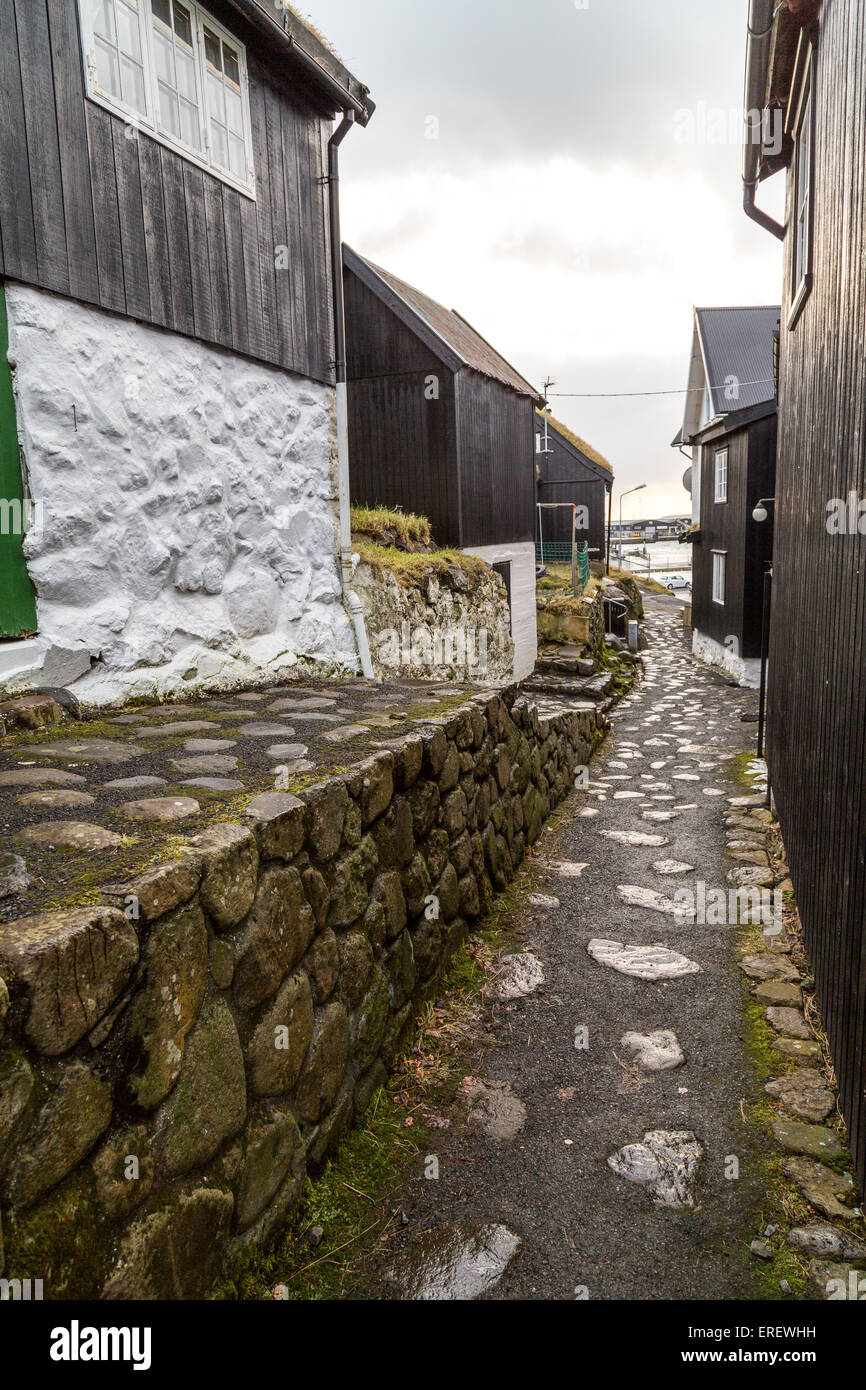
x=567, y=175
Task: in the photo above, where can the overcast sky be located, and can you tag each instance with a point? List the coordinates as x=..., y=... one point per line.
x=581, y=195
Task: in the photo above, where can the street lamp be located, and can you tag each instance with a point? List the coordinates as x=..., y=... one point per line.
x=640, y=487
x=760, y=513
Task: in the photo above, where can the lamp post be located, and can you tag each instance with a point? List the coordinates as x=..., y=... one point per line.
x=640, y=487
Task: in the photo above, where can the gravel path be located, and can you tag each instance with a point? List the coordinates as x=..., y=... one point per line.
x=585, y=1230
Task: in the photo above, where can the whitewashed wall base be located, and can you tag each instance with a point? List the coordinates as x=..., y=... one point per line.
x=189, y=535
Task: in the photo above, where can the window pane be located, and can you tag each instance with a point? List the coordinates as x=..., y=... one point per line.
x=132, y=78
x=128, y=32
x=163, y=52
x=212, y=50
x=215, y=90
x=190, y=129
x=182, y=24
x=162, y=10
x=234, y=111
x=107, y=68
x=185, y=67
x=103, y=23
x=220, y=145
x=231, y=66
x=238, y=157
x=168, y=113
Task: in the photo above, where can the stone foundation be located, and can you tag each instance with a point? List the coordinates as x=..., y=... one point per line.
x=176, y=1059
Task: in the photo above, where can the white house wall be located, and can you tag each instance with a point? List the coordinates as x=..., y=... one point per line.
x=188, y=506
x=523, y=611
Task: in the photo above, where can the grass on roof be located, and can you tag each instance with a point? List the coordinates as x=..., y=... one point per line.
x=308, y=24
x=412, y=570
x=578, y=443
x=373, y=521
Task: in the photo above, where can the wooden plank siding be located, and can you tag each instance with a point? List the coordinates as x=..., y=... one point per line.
x=95, y=209
x=728, y=526
x=817, y=690
x=496, y=441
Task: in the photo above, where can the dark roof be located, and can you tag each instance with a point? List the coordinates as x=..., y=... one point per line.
x=739, y=343
x=449, y=335
x=306, y=51
x=587, y=455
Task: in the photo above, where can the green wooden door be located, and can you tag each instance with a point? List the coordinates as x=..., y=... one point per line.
x=17, y=599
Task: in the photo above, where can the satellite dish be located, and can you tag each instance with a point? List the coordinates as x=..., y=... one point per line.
x=687, y=481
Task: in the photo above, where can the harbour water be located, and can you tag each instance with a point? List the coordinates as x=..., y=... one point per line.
x=665, y=557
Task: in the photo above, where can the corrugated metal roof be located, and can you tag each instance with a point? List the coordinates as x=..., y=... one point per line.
x=468, y=344
x=738, y=343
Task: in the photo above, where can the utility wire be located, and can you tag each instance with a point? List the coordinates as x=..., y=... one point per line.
x=620, y=395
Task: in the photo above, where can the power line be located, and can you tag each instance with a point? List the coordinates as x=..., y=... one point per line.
x=621, y=395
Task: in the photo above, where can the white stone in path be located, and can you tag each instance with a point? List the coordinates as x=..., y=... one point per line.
x=627, y=796
x=712, y=791
x=686, y=777
x=588, y=812
x=659, y=815
x=659, y=1051
x=634, y=837
x=519, y=976
x=665, y=1163
x=642, y=962
x=542, y=900
x=672, y=866
x=566, y=869
x=648, y=898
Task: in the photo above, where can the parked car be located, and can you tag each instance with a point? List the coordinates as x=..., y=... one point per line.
x=674, y=581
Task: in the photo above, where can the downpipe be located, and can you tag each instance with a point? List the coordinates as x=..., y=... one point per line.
x=350, y=598
x=762, y=17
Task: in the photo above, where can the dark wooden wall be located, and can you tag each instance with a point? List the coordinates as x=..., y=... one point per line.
x=759, y=535
x=402, y=443
x=466, y=460
x=496, y=439
x=558, y=470
x=817, y=697
x=130, y=226
x=723, y=527
x=729, y=526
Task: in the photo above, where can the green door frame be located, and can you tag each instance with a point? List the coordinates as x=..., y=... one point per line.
x=17, y=595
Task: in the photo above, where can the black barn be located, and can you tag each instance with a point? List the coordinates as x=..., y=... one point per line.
x=441, y=425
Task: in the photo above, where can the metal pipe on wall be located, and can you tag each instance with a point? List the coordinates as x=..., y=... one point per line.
x=353, y=603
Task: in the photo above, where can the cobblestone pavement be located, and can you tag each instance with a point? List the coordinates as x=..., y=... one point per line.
x=597, y=1157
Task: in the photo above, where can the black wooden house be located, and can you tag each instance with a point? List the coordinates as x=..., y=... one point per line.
x=730, y=426
x=441, y=425
x=166, y=271
x=811, y=66
x=570, y=473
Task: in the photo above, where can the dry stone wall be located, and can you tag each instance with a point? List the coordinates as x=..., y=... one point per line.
x=176, y=1059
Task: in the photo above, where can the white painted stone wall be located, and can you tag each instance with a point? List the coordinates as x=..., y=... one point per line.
x=189, y=535
x=524, y=629
x=714, y=653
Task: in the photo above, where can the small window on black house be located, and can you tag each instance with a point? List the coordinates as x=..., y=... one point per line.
x=503, y=569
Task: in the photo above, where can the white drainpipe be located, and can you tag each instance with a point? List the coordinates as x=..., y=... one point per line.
x=353, y=603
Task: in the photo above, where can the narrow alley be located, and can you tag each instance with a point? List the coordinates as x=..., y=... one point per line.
x=652, y=821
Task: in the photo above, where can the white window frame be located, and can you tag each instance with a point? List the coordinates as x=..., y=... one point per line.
x=720, y=475
x=148, y=121
x=720, y=566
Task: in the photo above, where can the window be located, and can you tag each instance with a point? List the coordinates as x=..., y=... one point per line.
x=168, y=67
x=719, y=560
x=804, y=167
x=721, y=493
